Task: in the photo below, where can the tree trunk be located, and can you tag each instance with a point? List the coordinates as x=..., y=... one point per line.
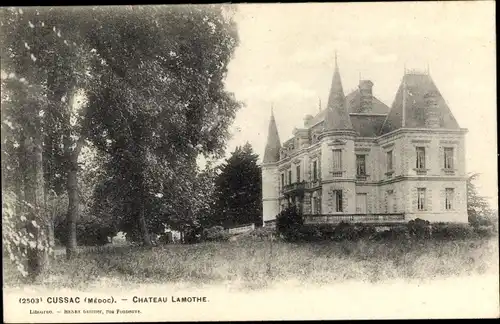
x=48, y=176
x=141, y=183
x=33, y=190
x=73, y=205
x=146, y=238
x=18, y=186
x=49, y=224
x=73, y=195
x=143, y=226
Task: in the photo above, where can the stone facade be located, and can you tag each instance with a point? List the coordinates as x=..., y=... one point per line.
x=417, y=171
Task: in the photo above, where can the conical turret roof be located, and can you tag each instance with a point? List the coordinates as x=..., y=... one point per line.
x=337, y=117
x=273, y=146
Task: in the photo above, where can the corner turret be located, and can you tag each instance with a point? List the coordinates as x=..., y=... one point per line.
x=337, y=117
x=273, y=146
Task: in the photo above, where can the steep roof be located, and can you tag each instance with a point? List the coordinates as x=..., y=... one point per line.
x=418, y=86
x=353, y=101
x=367, y=125
x=336, y=117
x=318, y=118
x=272, y=152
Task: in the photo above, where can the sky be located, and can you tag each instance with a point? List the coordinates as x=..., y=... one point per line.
x=285, y=60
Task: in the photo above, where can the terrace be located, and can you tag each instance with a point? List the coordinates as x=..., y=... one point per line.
x=379, y=219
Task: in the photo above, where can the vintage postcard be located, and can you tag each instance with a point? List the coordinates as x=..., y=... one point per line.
x=237, y=162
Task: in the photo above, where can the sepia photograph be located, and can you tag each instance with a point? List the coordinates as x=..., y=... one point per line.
x=237, y=162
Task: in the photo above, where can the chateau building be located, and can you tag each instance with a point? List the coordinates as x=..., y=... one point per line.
x=358, y=160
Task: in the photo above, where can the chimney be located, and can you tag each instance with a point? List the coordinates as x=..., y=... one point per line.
x=432, y=116
x=307, y=120
x=366, y=98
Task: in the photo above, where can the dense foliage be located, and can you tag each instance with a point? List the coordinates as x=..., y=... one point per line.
x=289, y=223
x=143, y=88
x=478, y=209
x=414, y=230
x=238, y=190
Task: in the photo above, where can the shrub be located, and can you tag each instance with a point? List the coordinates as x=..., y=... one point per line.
x=215, y=234
x=193, y=234
x=289, y=223
x=485, y=231
x=90, y=231
x=419, y=229
x=399, y=233
x=311, y=233
x=452, y=231
x=480, y=223
x=364, y=231
x=345, y=231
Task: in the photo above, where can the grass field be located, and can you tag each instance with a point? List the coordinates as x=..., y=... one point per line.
x=256, y=264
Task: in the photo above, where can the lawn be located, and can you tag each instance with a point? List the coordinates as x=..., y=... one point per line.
x=256, y=264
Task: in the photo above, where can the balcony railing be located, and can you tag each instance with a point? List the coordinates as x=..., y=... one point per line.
x=353, y=218
x=314, y=184
x=297, y=186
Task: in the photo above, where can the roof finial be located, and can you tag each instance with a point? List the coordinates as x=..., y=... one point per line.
x=319, y=104
x=428, y=70
x=404, y=69
x=336, y=65
x=272, y=109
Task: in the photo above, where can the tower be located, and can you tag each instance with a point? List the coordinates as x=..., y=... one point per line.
x=337, y=156
x=270, y=181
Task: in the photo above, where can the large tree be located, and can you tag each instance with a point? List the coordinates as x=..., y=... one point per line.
x=152, y=79
x=478, y=208
x=153, y=82
x=238, y=189
x=45, y=48
x=160, y=103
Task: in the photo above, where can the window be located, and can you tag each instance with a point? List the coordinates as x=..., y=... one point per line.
x=360, y=165
x=289, y=177
x=389, y=160
x=318, y=205
x=282, y=180
x=338, y=200
x=448, y=203
x=298, y=173
x=421, y=198
x=420, y=158
x=315, y=171
x=448, y=158
x=337, y=160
